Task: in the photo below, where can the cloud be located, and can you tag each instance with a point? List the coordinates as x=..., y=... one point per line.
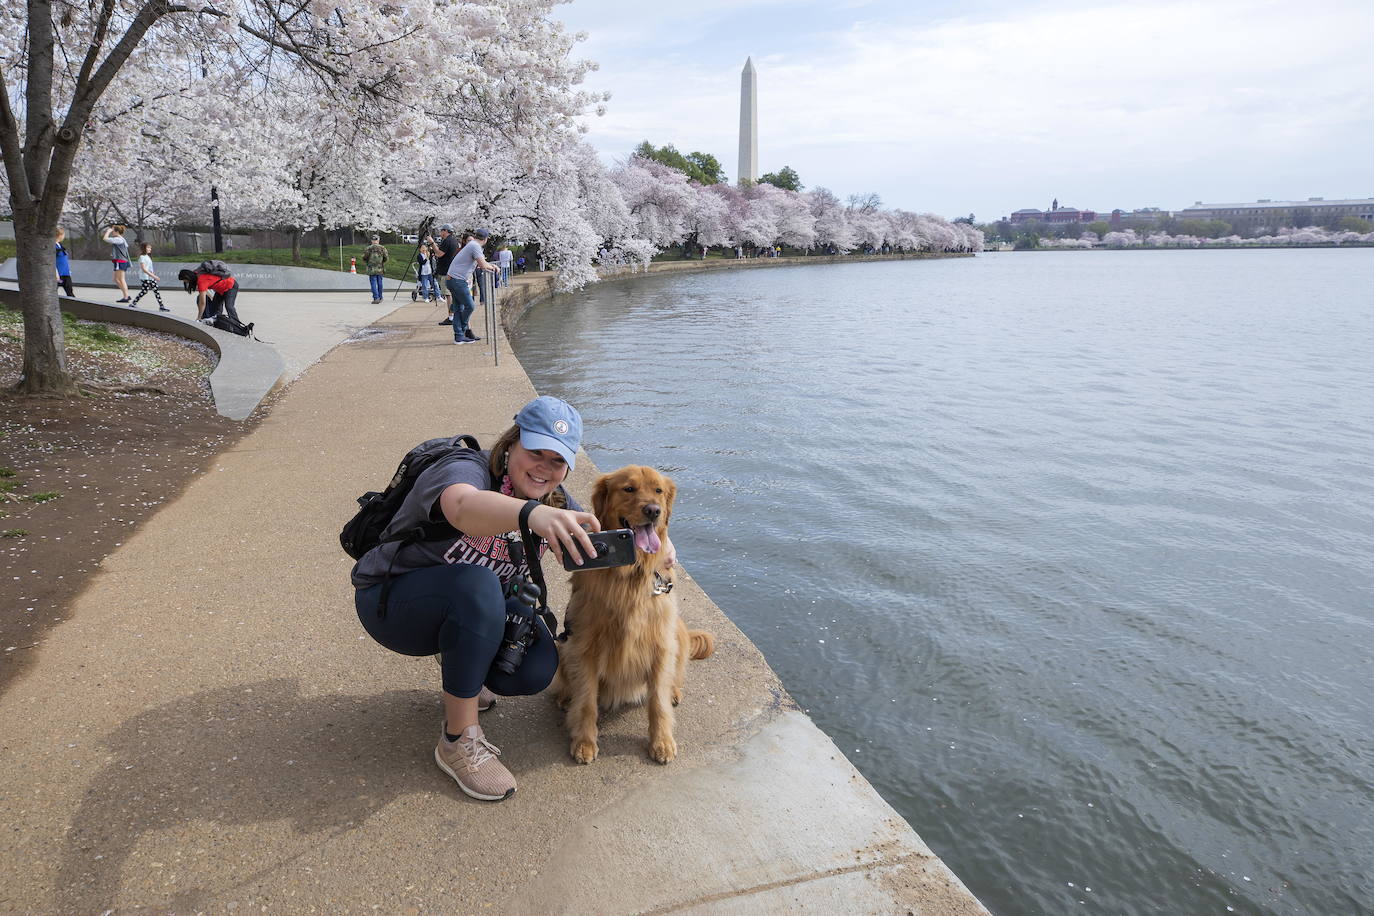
x=1127, y=104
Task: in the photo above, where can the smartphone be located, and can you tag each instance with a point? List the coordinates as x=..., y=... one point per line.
x=613, y=548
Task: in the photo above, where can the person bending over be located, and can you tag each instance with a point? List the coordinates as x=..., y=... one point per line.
x=214, y=293
x=450, y=595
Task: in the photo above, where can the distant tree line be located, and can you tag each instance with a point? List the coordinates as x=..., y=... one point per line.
x=1027, y=234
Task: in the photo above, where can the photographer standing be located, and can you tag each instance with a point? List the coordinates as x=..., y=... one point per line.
x=452, y=594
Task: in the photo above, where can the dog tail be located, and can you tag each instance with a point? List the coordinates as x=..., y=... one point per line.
x=703, y=643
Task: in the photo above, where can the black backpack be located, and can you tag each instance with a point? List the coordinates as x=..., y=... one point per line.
x=375, y=510
x=224, y=323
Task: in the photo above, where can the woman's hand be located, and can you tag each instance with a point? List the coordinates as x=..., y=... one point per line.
x=563, y=528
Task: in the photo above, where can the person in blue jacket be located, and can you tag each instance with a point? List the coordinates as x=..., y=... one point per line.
x=64, y=263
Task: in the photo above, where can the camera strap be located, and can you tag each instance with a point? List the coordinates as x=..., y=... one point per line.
x=536, y=568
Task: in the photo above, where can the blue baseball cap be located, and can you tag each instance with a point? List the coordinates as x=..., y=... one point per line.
x=548, y=423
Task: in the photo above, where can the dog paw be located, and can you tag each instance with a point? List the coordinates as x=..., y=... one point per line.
x=582, y=750
x=675, y=695
x=663, y=750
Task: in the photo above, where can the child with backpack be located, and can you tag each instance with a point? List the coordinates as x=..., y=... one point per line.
x=443, y=577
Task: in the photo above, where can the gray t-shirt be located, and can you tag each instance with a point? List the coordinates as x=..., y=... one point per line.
x=119, y=248
x=465, y=260
x=420, y=506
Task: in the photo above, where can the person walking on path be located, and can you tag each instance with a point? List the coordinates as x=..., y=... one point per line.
x=448, y=247
x=424, y=270
x=449, y=595
x=64, y=263
x=504, y=258
x=148, y=278
x=119, y=257
x=375, y=258
x=466, y=262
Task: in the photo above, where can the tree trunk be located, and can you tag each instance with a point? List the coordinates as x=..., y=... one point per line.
x=45, y=356
x=324, y=237
x=296, y=234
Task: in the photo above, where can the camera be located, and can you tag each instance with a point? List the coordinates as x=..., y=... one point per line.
x=521, y=631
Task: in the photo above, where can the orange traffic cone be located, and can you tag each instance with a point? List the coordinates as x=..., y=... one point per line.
x=353, y=265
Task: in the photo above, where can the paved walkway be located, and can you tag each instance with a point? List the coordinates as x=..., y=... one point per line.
x=211, y=731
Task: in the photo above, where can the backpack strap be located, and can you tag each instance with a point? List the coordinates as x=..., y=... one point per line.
x=536, y=567
x=427, y=531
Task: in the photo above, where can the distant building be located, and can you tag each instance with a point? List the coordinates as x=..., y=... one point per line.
x=1055, y=214
x=1274, y=214
x=1144, y=217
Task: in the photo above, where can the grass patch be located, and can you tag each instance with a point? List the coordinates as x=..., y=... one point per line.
x=43, y=497
x=13, y=533
x=88, y=336
x=7, y=472
x=8, y=249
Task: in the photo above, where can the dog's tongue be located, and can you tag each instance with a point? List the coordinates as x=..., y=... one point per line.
x=646, y=539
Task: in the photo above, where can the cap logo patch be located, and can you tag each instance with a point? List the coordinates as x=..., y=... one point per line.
x=560, y=427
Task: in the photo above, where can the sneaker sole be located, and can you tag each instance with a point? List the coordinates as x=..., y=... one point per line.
x=475, y=794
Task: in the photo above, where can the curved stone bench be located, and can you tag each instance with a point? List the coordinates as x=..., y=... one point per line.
x=247, y=370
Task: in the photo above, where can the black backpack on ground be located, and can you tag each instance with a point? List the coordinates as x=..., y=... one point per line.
x=224, y=323
x=375, y=510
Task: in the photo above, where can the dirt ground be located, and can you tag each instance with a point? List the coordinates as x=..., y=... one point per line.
x=78, y=476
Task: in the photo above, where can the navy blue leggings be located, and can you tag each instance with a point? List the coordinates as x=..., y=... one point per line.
x=459, y=611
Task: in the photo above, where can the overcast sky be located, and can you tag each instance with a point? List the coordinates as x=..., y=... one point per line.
x=985, y=107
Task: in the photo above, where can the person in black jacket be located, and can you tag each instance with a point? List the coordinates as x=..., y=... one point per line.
x=448, y=247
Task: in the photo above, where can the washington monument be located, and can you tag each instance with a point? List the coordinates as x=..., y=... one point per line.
x=748, y=124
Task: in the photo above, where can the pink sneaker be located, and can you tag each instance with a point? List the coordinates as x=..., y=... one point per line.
x=486, y=699
x=471, y=761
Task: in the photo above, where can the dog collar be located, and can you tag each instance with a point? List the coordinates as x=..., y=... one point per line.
x=662, y=586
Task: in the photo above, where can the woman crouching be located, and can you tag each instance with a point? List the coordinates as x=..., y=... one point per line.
x=450, y=595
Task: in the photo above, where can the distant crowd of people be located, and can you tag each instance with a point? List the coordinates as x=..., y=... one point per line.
x=454, y=257
x=457, y=258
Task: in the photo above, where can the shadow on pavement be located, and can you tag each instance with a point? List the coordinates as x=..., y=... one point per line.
x=241, y=756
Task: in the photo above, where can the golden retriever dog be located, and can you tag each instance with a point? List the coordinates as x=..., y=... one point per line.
x=626, y=643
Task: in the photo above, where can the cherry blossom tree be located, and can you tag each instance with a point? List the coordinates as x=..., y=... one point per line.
x=658, y=197
x=832, y=223
x=495, y=71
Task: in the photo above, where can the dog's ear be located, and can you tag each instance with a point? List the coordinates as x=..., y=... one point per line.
x=600, y=489
x=669, y=496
